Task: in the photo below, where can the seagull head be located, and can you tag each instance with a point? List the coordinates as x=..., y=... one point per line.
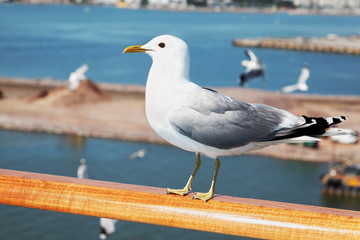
x=83, y=161
x=168, y=52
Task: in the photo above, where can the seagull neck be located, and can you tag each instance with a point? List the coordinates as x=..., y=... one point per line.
x=172, y=72
x=163, y=84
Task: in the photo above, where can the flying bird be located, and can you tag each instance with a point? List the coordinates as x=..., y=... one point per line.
x=107, y=227
x=82, y=169
x=301, y=83
x=253, y=68
x=138, y=154
x=206, y=122
x=350, y=138
x=77, y=76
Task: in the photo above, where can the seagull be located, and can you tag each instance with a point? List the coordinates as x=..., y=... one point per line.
x=253, y=68
x=82, y=169
x=350, y=138
x=138, y=154
x=301, y=83
x=107, y=227
x=208, y=123
x=77, y=76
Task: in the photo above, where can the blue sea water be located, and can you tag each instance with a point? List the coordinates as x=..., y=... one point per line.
x=39, y=41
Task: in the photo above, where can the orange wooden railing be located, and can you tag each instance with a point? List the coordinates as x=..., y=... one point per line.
x=228, y=215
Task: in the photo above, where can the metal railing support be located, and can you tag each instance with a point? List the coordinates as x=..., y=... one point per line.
x=228, y=215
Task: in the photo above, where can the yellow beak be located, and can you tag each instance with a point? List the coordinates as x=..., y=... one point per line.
x=136, y=48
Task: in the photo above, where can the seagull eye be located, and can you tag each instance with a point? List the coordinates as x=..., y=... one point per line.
x=162, y=45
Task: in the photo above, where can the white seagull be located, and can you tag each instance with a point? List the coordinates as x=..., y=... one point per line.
x=138, y=154
x=206, y=122
x=77, y=76
x=107, y=227
x=253, y=68
x=82, y=169
x=350, y=138
x=301, y=83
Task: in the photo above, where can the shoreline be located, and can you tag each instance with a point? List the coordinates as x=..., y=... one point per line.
x=221, y=9
x=331, y=43
x=115, y=111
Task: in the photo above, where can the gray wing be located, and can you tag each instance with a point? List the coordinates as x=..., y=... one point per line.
x=223, y=122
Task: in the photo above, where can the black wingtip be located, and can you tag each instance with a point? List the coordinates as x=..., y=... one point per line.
x=313, y=126
x=242, y=79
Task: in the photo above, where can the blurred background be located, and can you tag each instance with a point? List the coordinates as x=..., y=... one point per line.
x=42, y=40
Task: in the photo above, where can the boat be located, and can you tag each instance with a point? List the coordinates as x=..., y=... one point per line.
x=343, y=179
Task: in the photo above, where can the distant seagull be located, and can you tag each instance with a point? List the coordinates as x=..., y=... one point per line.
x=351, y=138
x=77, y=76
x=138, y=154
x=107, y=227
x=253, y=68
x=301, y=83
x=82, y=169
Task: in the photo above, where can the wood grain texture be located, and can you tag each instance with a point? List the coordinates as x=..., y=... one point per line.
x=228, y=215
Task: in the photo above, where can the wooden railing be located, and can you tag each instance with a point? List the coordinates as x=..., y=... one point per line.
x=227, y=215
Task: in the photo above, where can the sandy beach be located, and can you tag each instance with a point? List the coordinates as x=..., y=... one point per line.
x=118, y=112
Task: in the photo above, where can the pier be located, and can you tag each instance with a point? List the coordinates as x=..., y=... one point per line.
x=23, y=108
x=330, y=44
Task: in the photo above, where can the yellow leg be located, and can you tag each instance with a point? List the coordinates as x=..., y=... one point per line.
x=187, y=187
x=209, y=195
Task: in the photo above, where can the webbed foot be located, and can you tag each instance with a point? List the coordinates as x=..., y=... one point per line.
x=204, y=196
x=181, y=192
